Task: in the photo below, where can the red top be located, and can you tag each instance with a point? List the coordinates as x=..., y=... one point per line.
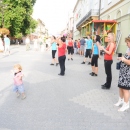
x=107, y=56
x=70, y=43
x=78, y=44
x=62, y=50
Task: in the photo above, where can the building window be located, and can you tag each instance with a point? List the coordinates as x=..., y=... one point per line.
x=128, y=11
x=109, y=1
x=118, y=14
x=102, y=4
x=108, y=17
x=119, y=26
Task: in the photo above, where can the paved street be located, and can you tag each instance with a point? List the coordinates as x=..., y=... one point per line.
x=72, y=102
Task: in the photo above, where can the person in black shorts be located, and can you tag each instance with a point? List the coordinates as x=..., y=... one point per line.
x=96, y=55
x=89, y=44
x=54, y=50
x=70, y=48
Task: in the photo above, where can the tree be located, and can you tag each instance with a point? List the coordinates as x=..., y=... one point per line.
x=17, y=17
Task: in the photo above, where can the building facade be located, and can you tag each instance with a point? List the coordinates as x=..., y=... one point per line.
x=118, y=10
x=40, y=31
x=84, y=11
x=70, y=24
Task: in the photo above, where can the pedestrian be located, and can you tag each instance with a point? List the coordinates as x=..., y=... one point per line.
x=75, y=47
x=82, y=44
x=108, y=59
x=62, y=55
x=35, y=44
x=85, y=45
x=124, y=79
x=40, y=42
x=96, y=55
x=70, y=48
x=27, y=42
x=1, y=45
x=78, y=45
x=89, y=44
x=18, y=83
x=47, y=42
x=54, y=50
x=6, y=45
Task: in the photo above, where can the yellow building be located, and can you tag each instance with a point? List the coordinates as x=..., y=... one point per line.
x=118, y=10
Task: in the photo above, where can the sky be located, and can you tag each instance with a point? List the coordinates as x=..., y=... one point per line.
x=54, y=13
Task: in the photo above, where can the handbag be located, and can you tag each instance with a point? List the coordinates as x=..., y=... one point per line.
x=118, y=65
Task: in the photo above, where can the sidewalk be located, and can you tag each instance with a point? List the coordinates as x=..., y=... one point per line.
x=72, y=102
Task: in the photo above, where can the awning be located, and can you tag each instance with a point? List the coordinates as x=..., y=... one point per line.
x=104, y=21
x=86, y=24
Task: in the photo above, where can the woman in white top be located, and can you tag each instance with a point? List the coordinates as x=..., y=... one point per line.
x=1, y=45
x=35, y=44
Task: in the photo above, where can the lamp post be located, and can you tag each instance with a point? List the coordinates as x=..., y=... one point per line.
x=99, y=9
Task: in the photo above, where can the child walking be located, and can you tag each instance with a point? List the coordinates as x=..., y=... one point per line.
x=18, y=83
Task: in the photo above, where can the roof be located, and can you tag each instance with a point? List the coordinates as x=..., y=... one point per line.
x=104, y=21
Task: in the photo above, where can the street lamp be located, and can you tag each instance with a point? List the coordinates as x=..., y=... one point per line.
x=99, y=9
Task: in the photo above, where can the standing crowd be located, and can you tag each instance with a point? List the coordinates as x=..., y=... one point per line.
x=90, y=48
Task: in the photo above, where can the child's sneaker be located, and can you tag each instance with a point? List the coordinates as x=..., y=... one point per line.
x=23, y=97
x=18, y=94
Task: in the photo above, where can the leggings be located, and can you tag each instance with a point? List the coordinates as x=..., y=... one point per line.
x=62, y=64
x=53, y=54
x=94, y=61
x=107, y=64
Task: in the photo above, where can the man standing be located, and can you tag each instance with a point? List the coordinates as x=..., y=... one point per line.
x=82, y=44
x=6, y=44
x=75, y=47
x=27, y=42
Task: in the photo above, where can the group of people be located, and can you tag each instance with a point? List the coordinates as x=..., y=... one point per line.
x=93, y=48
x=37, y=43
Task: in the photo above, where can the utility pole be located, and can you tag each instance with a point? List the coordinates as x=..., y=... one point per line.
x=99, y=9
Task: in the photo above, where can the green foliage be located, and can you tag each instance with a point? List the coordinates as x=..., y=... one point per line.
x=17, y=17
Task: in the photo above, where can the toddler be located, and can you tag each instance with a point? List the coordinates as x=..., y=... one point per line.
x=18, y=83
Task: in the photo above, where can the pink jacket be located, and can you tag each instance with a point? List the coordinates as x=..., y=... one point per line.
x=18, y=79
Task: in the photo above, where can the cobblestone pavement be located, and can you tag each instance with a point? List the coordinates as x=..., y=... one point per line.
x=72, y=102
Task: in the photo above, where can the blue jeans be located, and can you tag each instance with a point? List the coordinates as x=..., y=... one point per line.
x=18, y=88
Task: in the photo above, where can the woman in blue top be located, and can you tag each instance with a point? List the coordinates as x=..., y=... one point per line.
x=54, y=49
x=96, y=55
x=89, y=44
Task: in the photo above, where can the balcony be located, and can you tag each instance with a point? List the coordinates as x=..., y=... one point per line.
x=92, y=12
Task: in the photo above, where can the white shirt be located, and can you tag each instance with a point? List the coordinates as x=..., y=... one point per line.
x=27, y=40
x=128, y=50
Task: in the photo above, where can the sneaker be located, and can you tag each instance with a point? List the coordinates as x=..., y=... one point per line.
x=18, y=94
x=92, y=73
x=23, y=97
x=71, y=58
x=57, y=64
x=83, y=62
x=89, y=63
x=120, y=102
x=124, y=107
